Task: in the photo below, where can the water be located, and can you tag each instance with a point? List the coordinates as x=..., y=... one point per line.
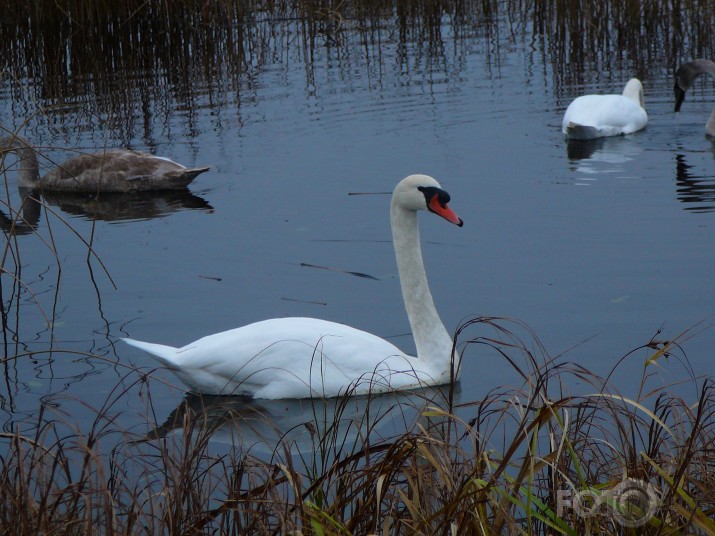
x=595, y=248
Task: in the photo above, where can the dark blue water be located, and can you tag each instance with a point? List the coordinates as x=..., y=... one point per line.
x=595, y=252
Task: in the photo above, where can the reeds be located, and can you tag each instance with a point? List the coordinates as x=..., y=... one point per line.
x=530, y=459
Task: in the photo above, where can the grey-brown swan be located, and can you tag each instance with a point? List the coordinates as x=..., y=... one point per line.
x=684, y=78
x=113, y=170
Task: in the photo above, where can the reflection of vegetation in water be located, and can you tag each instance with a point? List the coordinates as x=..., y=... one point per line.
x=132, y=60
x=582, y=40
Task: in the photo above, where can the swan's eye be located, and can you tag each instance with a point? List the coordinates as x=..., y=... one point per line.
x=443, y=197
x=430, y=192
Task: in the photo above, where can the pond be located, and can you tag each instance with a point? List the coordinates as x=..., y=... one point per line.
x=597, y=249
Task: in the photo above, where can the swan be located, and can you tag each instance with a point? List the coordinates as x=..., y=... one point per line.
x=300, y=357
x=113, y=170
x=684, y=78
x=599, y=116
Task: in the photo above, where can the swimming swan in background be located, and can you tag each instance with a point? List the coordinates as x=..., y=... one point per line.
x=113, y=170
x=305, y=357
x=684, y=78
x=598, y=116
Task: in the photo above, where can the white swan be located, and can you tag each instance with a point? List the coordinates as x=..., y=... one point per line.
x=684, y=78
x=598, y=116
x=306, y=357
x=113, y=170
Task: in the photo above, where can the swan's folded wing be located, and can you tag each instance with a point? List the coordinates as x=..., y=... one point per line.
x=289, y=357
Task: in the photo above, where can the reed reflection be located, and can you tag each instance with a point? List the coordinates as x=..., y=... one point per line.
x=137, y=63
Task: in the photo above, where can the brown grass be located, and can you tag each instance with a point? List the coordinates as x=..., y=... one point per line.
x=512, y=462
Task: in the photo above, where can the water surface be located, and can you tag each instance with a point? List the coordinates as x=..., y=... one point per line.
x=596, y=248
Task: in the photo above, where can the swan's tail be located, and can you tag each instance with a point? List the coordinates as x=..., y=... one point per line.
x=177, y=179
x=166, y=355
x=191, y=173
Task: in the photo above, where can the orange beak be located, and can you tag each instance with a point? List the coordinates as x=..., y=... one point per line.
x=444, y=211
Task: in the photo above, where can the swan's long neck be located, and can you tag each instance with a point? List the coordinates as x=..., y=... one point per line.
x=434, y=345
x=634, y=91
x=710, y=125
x=686, y=77
x=29, y=168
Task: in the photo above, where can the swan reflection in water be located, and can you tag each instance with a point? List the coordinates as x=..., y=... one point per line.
x=22, y=220
x=105, y=206
x=267, y=427
x=108, y=206
x=602, y=155
x=696, y=191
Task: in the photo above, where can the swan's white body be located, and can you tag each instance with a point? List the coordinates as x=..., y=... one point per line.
x=598, y=116
x=308, y=357
x=684, y=78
